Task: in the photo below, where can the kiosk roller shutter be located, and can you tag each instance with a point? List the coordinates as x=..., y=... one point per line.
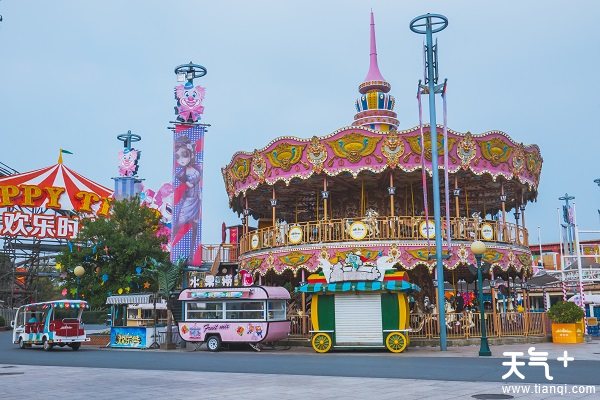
x=358, y=320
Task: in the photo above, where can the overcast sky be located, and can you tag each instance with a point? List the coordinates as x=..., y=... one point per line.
x=75, y=74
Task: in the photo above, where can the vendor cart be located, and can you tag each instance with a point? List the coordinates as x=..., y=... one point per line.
x=368, y=314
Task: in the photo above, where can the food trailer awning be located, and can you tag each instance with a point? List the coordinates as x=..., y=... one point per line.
x=130, y=299
x=369, y=286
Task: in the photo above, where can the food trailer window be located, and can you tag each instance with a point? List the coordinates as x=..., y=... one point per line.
x=276, y=310
x=200, y=310
x=246, y=310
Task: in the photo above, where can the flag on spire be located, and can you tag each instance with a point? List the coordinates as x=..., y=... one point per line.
x=60, y=153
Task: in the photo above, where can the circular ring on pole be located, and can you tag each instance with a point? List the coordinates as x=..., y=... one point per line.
x=429, y=20
x=129, y=137
x=191, y=71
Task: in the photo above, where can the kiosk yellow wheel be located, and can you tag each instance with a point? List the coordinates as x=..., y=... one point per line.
x=396, y=342
x=321, y=342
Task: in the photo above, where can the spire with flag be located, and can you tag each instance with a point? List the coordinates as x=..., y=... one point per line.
x=60, y=153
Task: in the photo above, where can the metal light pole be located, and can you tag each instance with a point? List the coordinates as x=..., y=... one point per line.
x=570, y=238
x=427, y=25
x=478, y=248
x=597, y=182
x=541, y=261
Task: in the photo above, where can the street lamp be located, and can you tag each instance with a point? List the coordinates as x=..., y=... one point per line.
x=78, y=271
x=478, y=248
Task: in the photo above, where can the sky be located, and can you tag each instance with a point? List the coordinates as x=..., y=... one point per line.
x=75, y=74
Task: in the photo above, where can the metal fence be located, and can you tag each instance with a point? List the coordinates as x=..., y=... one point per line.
x=459, y=325
x=468, y=324
x=8, y=315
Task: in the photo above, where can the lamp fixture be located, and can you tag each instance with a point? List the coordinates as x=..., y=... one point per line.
x=391, y=190
x=325, y=194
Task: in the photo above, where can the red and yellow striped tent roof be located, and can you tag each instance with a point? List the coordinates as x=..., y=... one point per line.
x=57, y=175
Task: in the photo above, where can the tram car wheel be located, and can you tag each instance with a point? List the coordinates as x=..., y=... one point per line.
x=75, y=346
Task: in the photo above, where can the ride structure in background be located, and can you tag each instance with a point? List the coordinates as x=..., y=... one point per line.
x=360, y=189
x=361, y=193
x=39, y=215
x=188, y=161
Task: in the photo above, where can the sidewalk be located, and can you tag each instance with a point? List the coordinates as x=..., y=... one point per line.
x=70, y=383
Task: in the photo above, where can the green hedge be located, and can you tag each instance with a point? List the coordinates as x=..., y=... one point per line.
x=2, y=321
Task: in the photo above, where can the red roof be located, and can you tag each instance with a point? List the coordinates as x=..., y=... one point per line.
x=57, y=175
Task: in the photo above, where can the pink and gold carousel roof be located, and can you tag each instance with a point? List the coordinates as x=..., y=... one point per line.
x=373, y=145
x=355, y=149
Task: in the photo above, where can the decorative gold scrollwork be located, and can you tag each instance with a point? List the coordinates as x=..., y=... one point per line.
x=354, y=146
x=286, y=155
x=495, y=150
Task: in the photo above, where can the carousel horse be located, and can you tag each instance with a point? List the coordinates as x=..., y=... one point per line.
x=451, y=317
x=468, y=319
x=370, y=221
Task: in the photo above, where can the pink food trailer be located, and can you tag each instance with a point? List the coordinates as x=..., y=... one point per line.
x=252, y=315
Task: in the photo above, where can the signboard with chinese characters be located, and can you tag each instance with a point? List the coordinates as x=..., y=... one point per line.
x=16, y=223
x=132, y=337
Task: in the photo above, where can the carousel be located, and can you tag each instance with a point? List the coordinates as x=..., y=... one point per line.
x=352, y=204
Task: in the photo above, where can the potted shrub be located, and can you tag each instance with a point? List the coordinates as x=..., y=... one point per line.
x=567, y=322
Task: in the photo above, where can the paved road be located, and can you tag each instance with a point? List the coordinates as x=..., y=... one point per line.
x=355, y=364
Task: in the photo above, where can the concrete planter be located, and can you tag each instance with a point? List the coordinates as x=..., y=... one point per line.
x=568, y=333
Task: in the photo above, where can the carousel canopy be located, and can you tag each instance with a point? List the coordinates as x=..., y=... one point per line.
x=479, y=162
x=55, y=176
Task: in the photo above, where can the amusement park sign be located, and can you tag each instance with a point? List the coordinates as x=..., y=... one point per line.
x=19, y=222
x=38, y=225
x=35, y=196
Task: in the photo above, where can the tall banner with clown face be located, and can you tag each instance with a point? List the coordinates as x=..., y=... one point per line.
x=188, y=159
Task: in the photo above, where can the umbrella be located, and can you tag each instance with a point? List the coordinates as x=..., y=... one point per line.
x=589, y=299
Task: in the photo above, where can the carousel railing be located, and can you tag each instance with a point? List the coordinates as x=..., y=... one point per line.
x=468, y=324
x=458, y=325
x=379, y=228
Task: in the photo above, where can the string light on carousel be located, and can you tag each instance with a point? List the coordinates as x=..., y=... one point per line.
x=354, y=206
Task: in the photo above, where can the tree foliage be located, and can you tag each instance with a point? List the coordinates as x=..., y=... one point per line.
x=166, y=275
x=565, y=312
x=113, y=252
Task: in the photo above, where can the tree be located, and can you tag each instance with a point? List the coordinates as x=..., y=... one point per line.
x=167, y=276
x=113, y=252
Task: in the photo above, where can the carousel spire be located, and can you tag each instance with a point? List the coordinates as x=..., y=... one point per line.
x=375, y=107
x=374, y=74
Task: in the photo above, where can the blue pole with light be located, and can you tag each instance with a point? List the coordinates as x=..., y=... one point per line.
x=478, y=249
x=427, y=25
x=597, y=182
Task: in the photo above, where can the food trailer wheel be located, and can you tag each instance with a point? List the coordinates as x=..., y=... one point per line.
x=321, y=342
x=213, y=343
x=396, y=342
